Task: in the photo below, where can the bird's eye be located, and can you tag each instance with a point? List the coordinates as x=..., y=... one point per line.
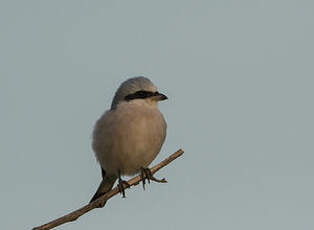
x=141, y=94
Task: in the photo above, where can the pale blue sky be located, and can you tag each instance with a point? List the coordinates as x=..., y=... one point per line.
x=239, y=77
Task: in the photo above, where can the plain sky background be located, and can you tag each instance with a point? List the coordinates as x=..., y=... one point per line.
x=239, y=77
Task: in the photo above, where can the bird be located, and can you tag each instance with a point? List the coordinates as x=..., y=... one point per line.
x=129, y=136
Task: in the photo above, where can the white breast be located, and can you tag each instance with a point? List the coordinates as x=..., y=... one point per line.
x=129, y=137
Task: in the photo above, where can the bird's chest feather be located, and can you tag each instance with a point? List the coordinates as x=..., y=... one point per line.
x=143, y=134
x=140, y=135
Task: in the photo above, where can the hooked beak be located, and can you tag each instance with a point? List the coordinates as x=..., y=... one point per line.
x=160, y=97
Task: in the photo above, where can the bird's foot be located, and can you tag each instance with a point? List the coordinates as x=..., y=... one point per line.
x=147, y=174
x=122, y=185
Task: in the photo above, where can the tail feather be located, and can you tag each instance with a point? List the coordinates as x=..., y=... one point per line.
x=104, y=187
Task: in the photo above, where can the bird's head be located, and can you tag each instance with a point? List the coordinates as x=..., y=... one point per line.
x=137, y=88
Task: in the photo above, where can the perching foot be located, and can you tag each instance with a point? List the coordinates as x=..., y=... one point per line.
x=147, y=174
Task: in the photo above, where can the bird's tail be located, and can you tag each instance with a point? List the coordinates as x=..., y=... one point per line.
x=104, y=187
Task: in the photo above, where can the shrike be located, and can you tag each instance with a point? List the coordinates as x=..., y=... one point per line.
x=128, y=137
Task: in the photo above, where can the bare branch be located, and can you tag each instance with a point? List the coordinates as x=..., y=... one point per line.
x=96, y=204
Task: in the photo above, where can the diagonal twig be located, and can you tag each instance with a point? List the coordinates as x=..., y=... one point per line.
x=96, y=204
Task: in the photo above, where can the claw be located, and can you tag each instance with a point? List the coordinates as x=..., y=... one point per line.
x=147, y=174
x=143, y=177
x=122, y=185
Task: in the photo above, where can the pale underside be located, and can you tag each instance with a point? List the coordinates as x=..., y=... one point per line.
x=129, y=137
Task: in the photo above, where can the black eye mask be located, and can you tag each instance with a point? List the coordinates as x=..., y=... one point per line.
x=142, y=94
